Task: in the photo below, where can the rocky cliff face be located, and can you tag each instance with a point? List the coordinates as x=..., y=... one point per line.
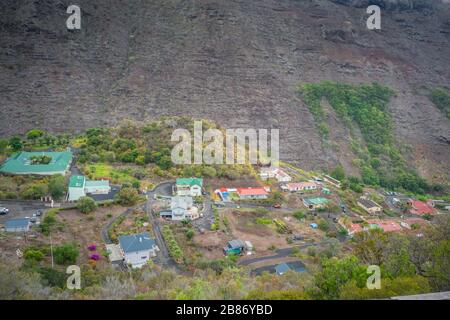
x=237, y=62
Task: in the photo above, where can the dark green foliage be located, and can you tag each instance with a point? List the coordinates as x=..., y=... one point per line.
x=66, y=254
x=86, y=204
x=338, y=173
x=441, y=98
x=15, y=143
x=366, y=106
x=34, y=134
x=127, y=196
x=57, y=186
x=53, y=278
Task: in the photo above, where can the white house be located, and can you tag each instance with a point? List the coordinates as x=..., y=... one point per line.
x=274, y=172
x=301, y=186
x=80, y=187
x=182, y=208
x=189, y=187
x=137, y=249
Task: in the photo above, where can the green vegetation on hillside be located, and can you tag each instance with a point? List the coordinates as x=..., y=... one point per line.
x=441, y=98
x=365, y=107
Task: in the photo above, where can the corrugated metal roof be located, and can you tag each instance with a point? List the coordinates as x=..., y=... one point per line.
x=17, y=223
x=76, y=182
x=190, y=181
x=97, y=183
x=21, y=162
x=136, y=242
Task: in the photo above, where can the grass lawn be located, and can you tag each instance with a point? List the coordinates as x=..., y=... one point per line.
x=117, y=175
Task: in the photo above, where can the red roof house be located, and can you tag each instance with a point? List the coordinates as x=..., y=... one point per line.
x=386, y=225
x=420, y=208
x=252, y=193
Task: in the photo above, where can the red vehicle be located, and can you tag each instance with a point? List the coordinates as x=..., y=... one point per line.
x=277, y=206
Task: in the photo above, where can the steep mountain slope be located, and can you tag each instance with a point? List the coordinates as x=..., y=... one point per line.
x=237, y=62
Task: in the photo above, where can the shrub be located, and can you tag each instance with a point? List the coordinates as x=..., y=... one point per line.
x=127, y=196
x=190, y=234
x=86, y=204
x=33, y=255
x=57, y=186
x=66, y=254
x=299, y=215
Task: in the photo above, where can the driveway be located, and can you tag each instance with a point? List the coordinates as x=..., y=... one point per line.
x=294, y=265
x=279, y=253
x=163, y=257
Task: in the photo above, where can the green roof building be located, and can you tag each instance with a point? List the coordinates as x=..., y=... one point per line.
x=28, y=163
x=315, y=202
x=79, y=187
x=189, y=187
x=190, y=181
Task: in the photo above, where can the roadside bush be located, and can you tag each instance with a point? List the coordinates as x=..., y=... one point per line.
x=174, y=249
x=300, y=215
x=86, y=204
x=127, y=196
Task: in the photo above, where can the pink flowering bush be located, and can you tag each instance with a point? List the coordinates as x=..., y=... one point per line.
x=95, y=256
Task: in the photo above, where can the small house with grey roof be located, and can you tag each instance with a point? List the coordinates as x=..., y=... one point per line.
x=137, y=249
x=17, y=225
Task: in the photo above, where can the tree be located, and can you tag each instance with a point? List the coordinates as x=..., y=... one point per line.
x=15, y=143
x=275, y=198
x=57, y=186
x=190, y=234
x=369, y=246
x=3, y=145
x=439, y=269
x=34, y=134
x=299, y=215
x=338, y=172
x=34, y=190
x=127, y=196
x=86, y=204
x=33, y=255
x=389, y=288
x=66, y=254
x=335, y=274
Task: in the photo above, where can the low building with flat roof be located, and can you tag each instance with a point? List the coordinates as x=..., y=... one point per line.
x=79, y=187
x=38, y=163
x=315, y=202
x=369, y=206
x=17, y=225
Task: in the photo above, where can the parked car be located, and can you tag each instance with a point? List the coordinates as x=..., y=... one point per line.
x=4, y=210
x=39, y=212
x=277, y=206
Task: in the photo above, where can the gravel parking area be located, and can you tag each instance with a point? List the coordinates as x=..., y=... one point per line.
x=19, y=209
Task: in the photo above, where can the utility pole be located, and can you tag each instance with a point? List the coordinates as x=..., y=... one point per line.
x=51, y=249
